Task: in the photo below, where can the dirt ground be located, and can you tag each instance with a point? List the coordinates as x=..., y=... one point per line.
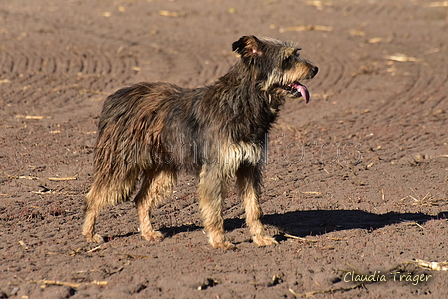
x=356, y=180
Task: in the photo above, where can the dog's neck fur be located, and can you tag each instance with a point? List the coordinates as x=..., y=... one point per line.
x=240, y=97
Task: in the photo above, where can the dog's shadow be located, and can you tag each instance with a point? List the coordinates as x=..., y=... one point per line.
x=318, y=222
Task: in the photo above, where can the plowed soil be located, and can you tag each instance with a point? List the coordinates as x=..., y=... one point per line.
x=356, y=180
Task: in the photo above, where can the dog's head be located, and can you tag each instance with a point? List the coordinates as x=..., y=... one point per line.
x=277, y=65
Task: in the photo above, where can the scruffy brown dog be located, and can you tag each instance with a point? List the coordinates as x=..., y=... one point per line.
x=154, y=130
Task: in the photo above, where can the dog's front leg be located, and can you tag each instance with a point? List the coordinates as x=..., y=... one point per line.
x=249, y=187
x=212, y=189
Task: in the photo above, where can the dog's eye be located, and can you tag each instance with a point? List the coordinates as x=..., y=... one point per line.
x=289, y=62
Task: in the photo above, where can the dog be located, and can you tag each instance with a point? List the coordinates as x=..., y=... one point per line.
x=149, y=132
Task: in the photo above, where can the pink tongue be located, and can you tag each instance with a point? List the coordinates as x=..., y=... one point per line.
x=303, y=91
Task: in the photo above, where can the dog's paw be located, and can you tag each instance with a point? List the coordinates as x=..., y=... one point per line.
x=264, y=240
x=153, y=236
x=96, y=238
x=223, y=245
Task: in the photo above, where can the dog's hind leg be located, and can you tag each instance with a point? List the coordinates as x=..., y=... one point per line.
x=155, y=187
x=211, y=190
x=93, y=204
x=106, y=191
x=249, y=188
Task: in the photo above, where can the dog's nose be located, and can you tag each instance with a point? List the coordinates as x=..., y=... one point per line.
x=315, y=70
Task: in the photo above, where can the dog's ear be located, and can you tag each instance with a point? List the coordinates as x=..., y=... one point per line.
x=247, y=45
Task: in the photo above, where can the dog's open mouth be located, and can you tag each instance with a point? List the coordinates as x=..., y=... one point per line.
x=297, y=90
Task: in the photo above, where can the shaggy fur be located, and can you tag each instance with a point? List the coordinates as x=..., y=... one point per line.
x=153, y=130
